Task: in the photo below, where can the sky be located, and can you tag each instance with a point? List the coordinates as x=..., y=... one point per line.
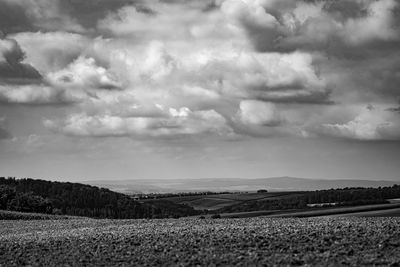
x=135, y=89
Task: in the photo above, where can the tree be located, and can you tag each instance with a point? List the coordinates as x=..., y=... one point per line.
x=262, y=191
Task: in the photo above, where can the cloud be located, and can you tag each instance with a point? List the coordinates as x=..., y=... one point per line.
x=84, y=73
x=38, y=94
x=88, y=13
x=265, y=120
x=378, y=24
x=10, y=52
x=171, y=67
x=259, y=113
x=68, y=75
x=217, y=72
x=287, y=25
x=21, y=15
x=272, y=77
x=226, y=72
x=21, y=83
x=157, y=20
x=52, y=51
x=177, y=122
x=12, y=68
x=371, y=123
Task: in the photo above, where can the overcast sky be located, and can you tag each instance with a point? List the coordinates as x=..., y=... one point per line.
x=123, y=89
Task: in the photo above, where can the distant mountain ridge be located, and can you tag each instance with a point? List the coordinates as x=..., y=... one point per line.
x=232, y=184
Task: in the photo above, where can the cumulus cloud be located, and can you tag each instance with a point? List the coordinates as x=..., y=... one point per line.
x=259, y=113
x=227, y=72
x=371, y=123
x=84, y=73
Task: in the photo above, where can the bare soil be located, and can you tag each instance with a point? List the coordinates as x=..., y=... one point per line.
x=189, y=242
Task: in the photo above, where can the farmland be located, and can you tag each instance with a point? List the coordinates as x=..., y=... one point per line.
x=218, y=201
x=183, y=242
x=15, y=215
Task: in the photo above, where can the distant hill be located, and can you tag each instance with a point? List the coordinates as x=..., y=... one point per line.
x=232, y=184
x=39, y=196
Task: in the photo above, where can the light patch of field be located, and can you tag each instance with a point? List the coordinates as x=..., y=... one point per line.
x=210, y=203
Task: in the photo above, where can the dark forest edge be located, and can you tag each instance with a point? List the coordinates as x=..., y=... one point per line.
x=64, y=198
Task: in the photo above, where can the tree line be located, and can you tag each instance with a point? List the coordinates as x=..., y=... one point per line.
x=31, y=195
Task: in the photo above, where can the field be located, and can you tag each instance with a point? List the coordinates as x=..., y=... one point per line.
x=380, y=210
x=214, y=202
x=15, y=215
x=187, y=242
x=372, y=213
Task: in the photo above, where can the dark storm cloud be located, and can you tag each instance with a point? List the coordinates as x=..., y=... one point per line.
x=48, y=15
x=204, y=5
x=303, y=96
x=35, y=15
x=330, y=26
x=12, y=69
x=87, y=13
x=13, y=18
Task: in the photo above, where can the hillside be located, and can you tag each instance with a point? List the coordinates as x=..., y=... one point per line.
x=337, y=197
x=29, y=195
